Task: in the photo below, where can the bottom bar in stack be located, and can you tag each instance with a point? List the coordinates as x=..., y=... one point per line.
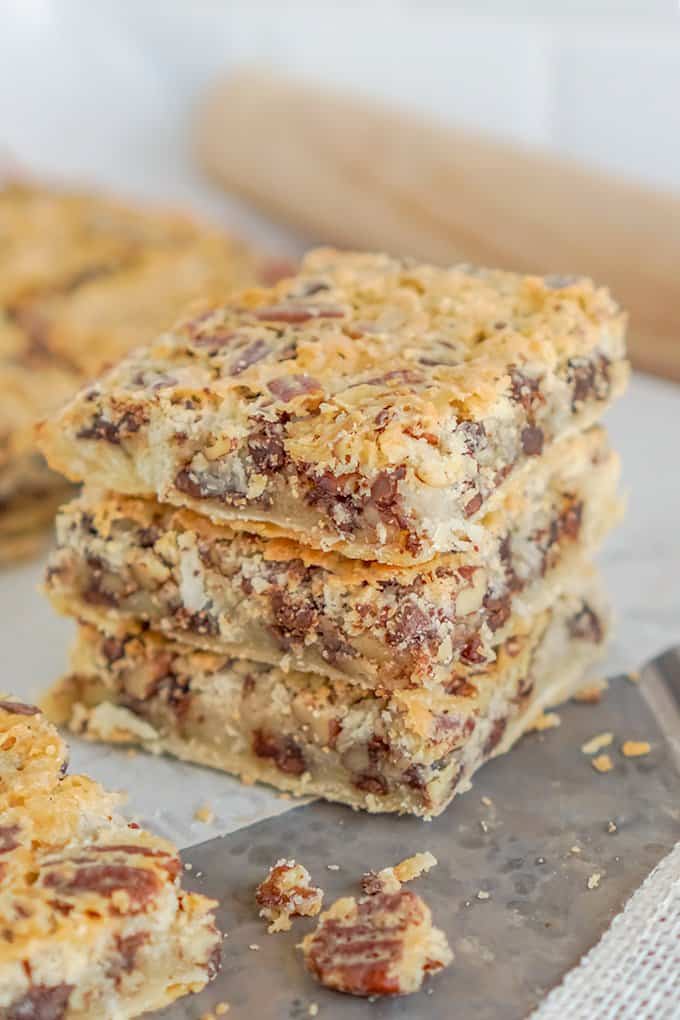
x=408, y=750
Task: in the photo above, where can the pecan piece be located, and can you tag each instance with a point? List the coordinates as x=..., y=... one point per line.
x=382, y=944
x=287, y=892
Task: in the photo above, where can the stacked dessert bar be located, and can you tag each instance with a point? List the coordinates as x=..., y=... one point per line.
x=337, y=535
x=82, y=280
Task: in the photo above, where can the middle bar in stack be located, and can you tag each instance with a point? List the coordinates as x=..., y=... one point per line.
x=402, y=487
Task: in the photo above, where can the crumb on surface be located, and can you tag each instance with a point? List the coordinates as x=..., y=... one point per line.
x=287, y=892
x=397, y=929
x=602, y=763
x=204, y=813
x=546, y=721
x=333, y=867
x=597, y=742
x=483, y=895
x=313, y=1009
x=575, y=850
x=390, y=879
x=591, y=694
x=222, y=1008
x=254, y=946
x=635, y=748
x=594, y=880
x=612, y=827
x=487, y=802
x=484, y=825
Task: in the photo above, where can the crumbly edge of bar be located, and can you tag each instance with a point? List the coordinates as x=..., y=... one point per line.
x=400, y=460
x=391, y=515
x=322, y=624
x=66, y=948
x=558, y=670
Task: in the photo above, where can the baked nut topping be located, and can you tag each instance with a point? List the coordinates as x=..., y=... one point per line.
x=287, y=892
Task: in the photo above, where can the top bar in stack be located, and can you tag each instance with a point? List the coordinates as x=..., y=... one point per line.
x=370, y=405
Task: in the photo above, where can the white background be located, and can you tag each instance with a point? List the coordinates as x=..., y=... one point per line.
x=102, y=92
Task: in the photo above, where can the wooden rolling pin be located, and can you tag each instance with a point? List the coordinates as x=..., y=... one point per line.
x=347, y=172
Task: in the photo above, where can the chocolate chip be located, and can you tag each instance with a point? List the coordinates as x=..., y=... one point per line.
x=525, y=391
x=286, y=754
x=532, y=440
x=369, y=783
x=495, y=735
x=113, y=649
x=474, y=436
x=8, y=838
x=266, y=448
x=586, y=625
x=41, y=1002
x=127, y=947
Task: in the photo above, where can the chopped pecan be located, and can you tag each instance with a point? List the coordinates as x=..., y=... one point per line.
x=382, y=944
x=287, y=387
x=287, y=892
x=140, y=885
x=250, y=355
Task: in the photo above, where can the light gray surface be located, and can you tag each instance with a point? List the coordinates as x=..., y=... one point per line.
x=540, y=918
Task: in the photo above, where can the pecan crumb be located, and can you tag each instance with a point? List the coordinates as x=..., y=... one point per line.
x=389, y=880
x=287, y=892
x=382, y=944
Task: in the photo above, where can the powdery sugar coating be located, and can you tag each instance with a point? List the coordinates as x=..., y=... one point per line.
x=367, y=403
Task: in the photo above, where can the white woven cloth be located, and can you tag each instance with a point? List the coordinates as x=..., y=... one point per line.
x=633, y=973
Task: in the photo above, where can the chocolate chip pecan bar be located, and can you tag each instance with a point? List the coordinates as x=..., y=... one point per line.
x=407, y=750
x=124, y=563
x=383, y=944
x=82, y=280
x=93, y=919
x=368, y=404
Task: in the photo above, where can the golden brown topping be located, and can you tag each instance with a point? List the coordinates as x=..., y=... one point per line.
x=287, y=892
